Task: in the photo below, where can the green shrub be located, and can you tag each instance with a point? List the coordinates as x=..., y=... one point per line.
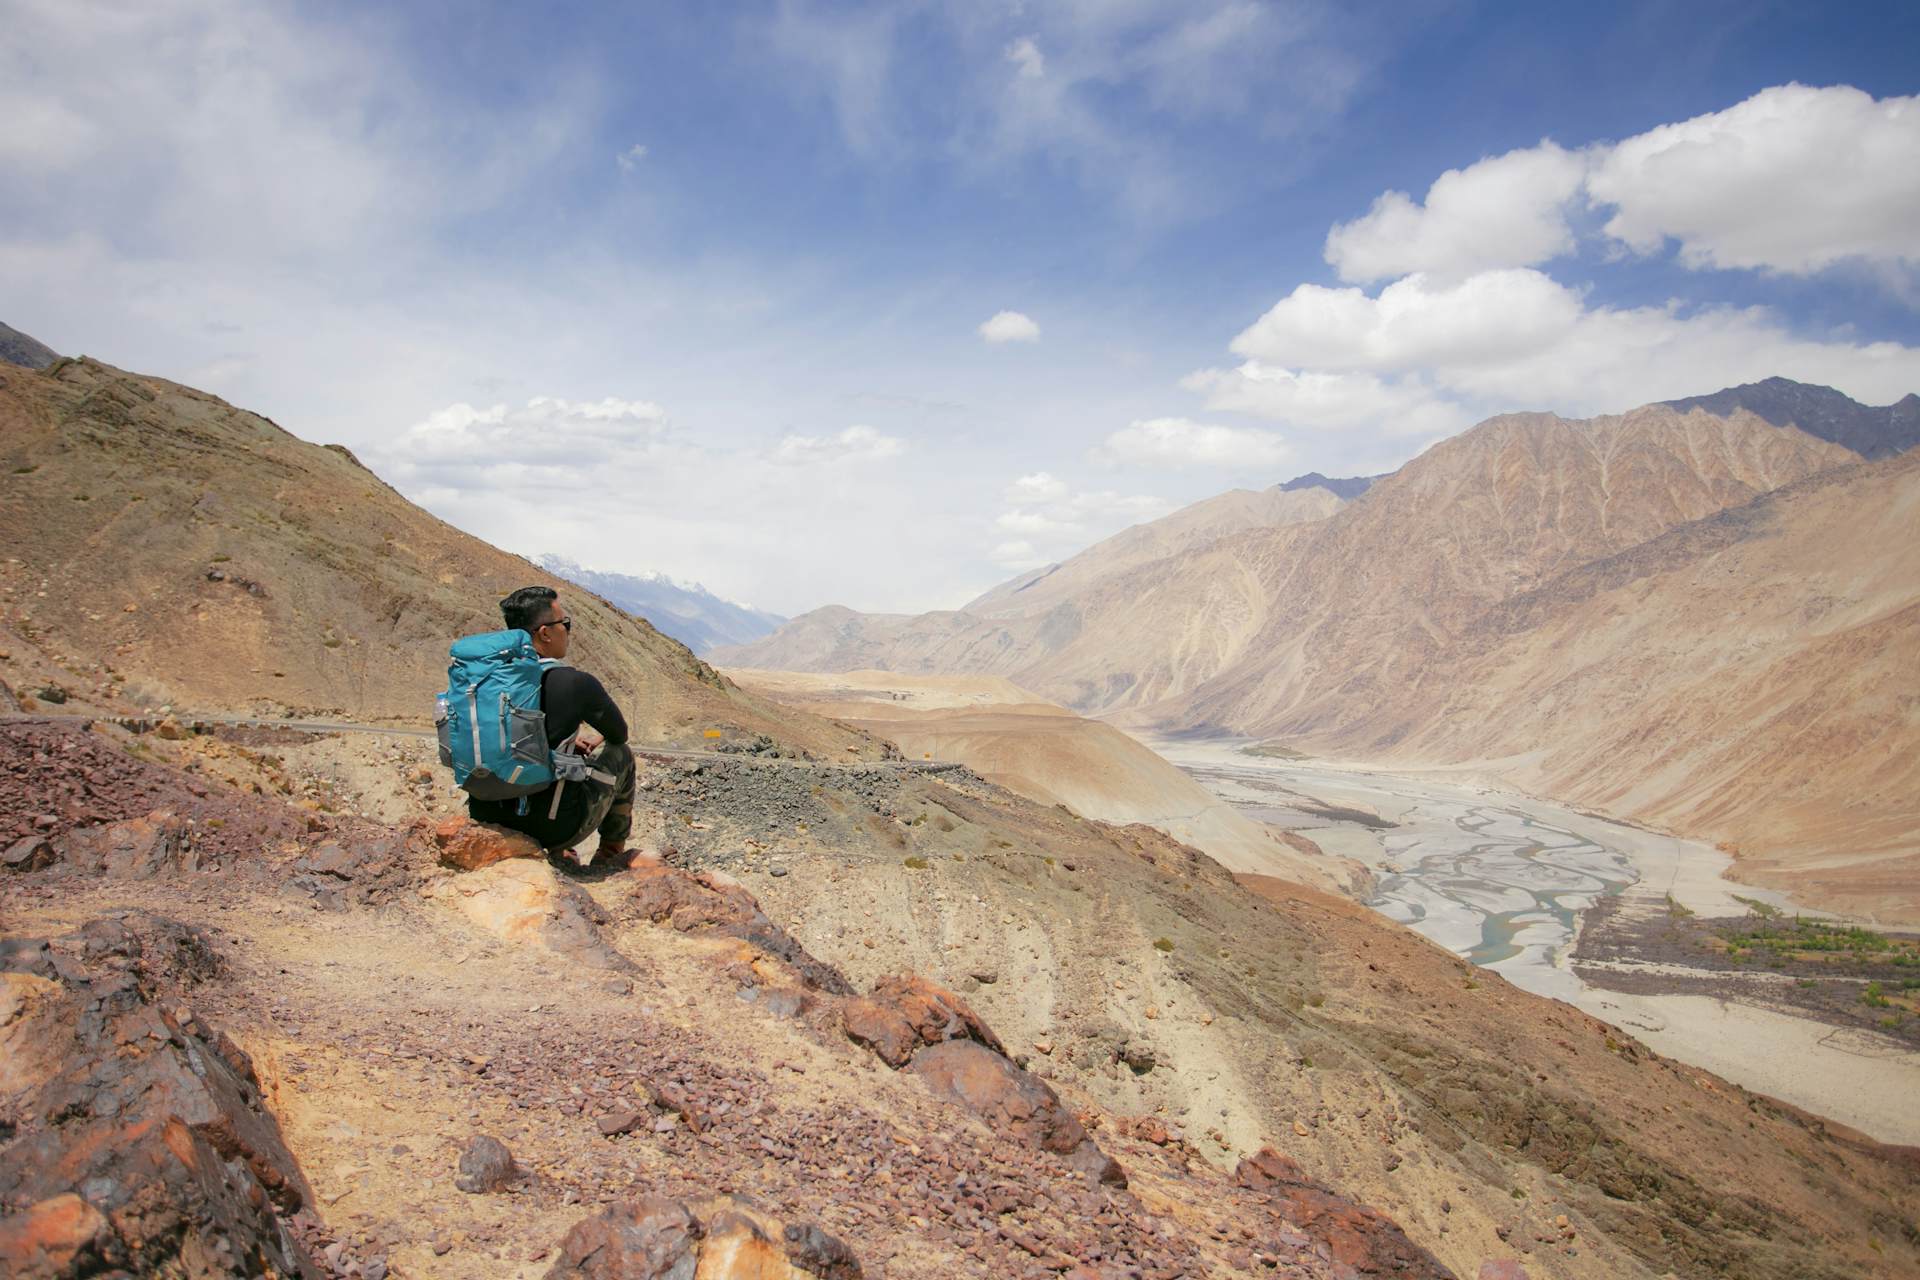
x=1163, y=944
x=917, y=862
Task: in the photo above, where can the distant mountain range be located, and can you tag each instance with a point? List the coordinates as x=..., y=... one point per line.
x=686, y=611
x=1701, y=613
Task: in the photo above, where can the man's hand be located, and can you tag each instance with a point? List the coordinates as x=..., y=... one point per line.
x=586, y=740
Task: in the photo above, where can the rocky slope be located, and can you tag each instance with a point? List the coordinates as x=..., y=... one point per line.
x=1044, y=752
x=845, y=1019
x=1367, y=603
x=166, y=548
x=1116, y=1060
x=1188, y=529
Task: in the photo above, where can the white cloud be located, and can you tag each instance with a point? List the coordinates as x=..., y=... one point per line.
x=630, y=159
x=1494, y=316
x=1517, y=339
x=1320, y=400
x=546, y=442
x=1025, y=55
x=1038, y=487
x=855, y=444
x=1794, y=180
x=1046, y=519
x=1009, y=326
x=1508, y=210
x=1016, y=554
x=1178, y=442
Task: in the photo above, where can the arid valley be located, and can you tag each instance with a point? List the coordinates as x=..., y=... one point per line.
x=1065, y=640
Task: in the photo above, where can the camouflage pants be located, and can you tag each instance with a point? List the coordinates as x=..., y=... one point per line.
x=608, y=809
x=564, y=820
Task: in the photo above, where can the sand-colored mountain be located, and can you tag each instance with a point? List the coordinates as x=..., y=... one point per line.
x=1750, y=698
x=1748, y=678
x=1086, y=633
x=1048, y=754
x=1188, y=529
x=166, y=548
x=392, y=1007
x=1365, y=606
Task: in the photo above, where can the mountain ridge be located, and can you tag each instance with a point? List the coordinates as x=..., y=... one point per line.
x=24, y=350
x=1872, y=431
x=686, y=611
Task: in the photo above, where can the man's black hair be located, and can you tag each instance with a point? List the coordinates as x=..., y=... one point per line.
x=527, y=608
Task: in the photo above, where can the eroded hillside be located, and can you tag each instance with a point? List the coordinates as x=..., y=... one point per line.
x=656, y=1033
x=166, y=548
x=844, y=1018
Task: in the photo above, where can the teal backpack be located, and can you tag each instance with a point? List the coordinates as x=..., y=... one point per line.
x=492, y=730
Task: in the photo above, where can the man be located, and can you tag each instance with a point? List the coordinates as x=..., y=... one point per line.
x=569, y=698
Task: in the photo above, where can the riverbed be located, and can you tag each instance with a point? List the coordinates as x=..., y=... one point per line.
x=1503, y=879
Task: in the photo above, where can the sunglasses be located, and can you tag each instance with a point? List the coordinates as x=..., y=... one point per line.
x=557, y=622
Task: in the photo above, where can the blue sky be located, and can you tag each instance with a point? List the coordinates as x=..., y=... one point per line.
x=709, y=290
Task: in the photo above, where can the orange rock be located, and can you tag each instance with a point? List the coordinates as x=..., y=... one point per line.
x=1357, y=1237
x=466, y=845
x=57, y=1237
x=720, y=1238
x=1013, y=1103
x=136, y=849
x=905, y=1013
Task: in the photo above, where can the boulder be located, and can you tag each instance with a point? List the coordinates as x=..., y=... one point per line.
x=903, y=1014
x=367, y=868
x=524, y=901
x=136, y=849
x=1012, y=1103
x=1502, y=1269
x=60, y=1236
x=710, y=902
x=1356, y=1236
x=720, y=1238
x=36, y=1032
x=150, y=1149
x=29, y=853
x=466, y=845
x=485, y=1166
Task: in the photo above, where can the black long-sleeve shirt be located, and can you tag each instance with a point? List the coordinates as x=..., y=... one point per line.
x=569, y=698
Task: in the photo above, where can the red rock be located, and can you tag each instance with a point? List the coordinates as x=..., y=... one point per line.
x=1355, y=1235
x=61, y=1236
x=709, y=902
x=1502, y=1269
x=1013, y=1103
x=30, y=853
x=1151, y=1129
x=619, y=1122
x=136, y=849
x=644, y=1240
x=466, y=845
x=723, y=1238
x=172, y=1144
x=905, y=1013
x=485, y=1166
